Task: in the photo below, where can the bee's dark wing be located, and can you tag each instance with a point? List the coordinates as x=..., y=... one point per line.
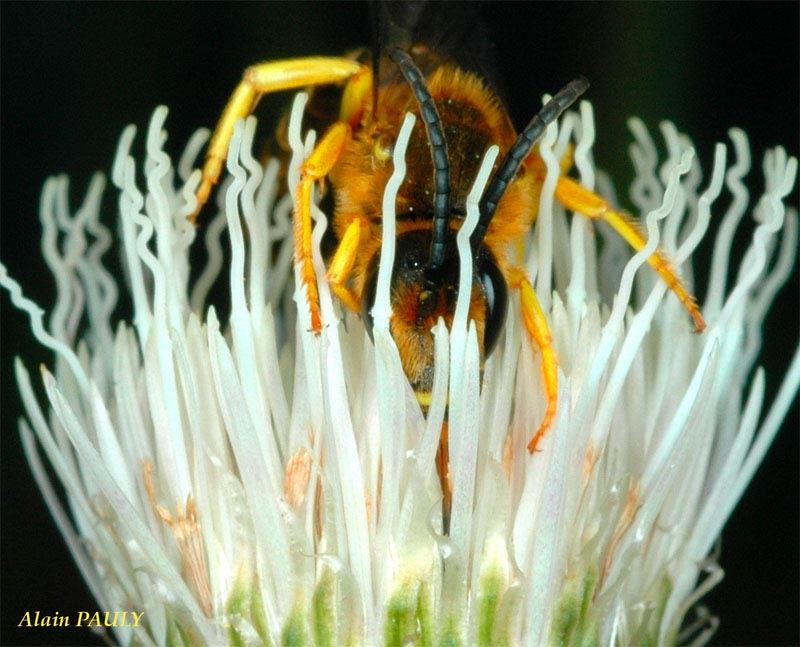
x=455, y=31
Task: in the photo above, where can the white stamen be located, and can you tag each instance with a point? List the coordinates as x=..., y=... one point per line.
x=382, y=310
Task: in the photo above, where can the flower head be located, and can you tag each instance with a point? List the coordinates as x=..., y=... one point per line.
x=240, y=479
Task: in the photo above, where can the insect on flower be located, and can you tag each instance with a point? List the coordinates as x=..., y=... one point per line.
x=240, y=480
x=358, y=101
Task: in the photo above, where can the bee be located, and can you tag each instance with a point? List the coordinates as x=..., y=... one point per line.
x=359, y=102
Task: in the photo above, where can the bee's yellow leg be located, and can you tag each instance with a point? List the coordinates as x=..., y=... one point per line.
x=314, y=169
x=356, y=96
x=580, y=199
x=342, y=265
x=536, y=324
x=259, y=80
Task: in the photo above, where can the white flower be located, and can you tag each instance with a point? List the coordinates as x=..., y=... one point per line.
x=243, y=481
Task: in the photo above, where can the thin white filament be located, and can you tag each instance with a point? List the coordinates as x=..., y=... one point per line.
x=100, y=286
x=766, y=435
x=391, y=383
x=215, y=255
x=623, y=296
x=47, y=340
x=576, y=291
x=244, y=348
x=167, y=301
x=724, y=238
x=704, y=207
x=382, y=310
x=463, y=235
x=646, y=189
x=632, y=341
x=674, y=147
x=544, y=219
x=463, y=441
x=186, y=164
x=53, y=258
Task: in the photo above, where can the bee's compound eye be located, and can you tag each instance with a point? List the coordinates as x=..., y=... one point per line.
x=496, y=295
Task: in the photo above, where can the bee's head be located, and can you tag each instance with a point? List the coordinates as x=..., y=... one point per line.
x=425, y=275
x=421, y=295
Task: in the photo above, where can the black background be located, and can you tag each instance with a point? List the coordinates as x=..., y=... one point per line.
x=73, y=75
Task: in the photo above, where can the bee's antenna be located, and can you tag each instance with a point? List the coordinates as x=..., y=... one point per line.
x=441, y=163
x=520, y=150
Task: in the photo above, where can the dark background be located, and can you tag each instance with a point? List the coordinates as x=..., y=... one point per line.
x=73, y=75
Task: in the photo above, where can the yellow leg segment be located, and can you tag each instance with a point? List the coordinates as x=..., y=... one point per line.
x=580, y=199
x=259, y=80
x=356, y=96
x=314, y=169
x=342, y=265
x=536, y=324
